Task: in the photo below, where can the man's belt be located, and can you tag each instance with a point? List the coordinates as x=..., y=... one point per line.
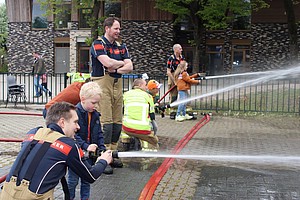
x=106, y=74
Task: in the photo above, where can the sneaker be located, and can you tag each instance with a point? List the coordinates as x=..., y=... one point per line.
x=149, y=150
x=179, y=118
x=37, y=95
x=117, y=163
x=108, y=170
x=50, y=93
x=145, y=149
x=188, y=117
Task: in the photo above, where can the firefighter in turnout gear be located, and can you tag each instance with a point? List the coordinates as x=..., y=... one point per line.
x=46, y=154
x=110, y=60
x=138, y=114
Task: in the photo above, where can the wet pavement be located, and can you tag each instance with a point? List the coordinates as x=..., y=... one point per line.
x=238, y=158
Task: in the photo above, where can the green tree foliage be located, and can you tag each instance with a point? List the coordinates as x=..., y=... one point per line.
x=208, y=14
x=3, y=37
x=3, y=26
x=53, y=7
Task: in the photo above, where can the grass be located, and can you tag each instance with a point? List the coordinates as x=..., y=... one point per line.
x=4, y=68
x=280, y=101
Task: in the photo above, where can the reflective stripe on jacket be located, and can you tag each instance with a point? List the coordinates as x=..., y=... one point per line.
x=137, y=106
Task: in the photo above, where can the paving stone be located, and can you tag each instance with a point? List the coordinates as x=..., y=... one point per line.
x=210, y=179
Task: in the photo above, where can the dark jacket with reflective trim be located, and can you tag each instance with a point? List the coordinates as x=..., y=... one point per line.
x=104, y=47
x=96, y=132
x=53, y=166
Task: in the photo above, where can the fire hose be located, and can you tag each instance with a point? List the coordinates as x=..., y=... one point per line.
x=166, y=93
x=153, y=182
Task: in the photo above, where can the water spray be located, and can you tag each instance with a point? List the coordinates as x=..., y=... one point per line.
x=240, y=74
x=263, y=159
x=271, y=75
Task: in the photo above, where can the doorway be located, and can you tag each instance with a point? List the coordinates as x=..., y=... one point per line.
x=62, y=59
x=84, y=60
x=215, y=60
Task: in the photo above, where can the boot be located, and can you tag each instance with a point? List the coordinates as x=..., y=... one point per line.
x=146, y=146
x=116, y=162
x=124, y=138
x=107, y=133
x=108, y=146
x=116, y=131
x=137, y=144
x=108, y=170
x=114, y=146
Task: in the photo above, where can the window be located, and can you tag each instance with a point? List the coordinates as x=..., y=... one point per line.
x=84, y=56
x=215, y=60
x=63, y=16
x=240, y=58
x=112, y=9
x=183, y=32
x=39, y=20
x=84, y=15
x=62, y=45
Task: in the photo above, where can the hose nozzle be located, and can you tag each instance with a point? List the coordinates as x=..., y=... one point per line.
x=114, y=154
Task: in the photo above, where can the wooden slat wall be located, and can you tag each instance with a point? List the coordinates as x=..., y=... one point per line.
x=74, y=13
x=274, y=14
x=18, y=10
x=142, y=10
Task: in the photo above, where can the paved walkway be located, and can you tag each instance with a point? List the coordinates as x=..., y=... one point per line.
x=233, y=158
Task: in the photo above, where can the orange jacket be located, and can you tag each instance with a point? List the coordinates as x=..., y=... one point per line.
x=184, y=81
x=69, y=94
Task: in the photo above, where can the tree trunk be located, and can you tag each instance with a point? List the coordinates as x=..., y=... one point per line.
x=95, y=15
x=292, y=27
x=199, y=59
x=199, y=35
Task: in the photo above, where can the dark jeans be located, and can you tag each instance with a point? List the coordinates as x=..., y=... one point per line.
x=73, y=182
x=44, y=113
x=38, y=87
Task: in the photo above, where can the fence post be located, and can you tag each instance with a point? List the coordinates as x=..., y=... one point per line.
x=299, y=105
x=65, y=83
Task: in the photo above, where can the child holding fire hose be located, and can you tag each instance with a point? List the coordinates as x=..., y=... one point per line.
x=89, y=136
x=183, y=82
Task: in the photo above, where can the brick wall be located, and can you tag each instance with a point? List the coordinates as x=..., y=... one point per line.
x=149, y=45
x=269, y=45
x=22, y=41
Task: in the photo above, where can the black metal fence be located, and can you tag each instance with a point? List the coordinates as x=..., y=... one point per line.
x=232, y=93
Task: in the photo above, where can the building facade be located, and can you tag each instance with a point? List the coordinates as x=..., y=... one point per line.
x=149, y=34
